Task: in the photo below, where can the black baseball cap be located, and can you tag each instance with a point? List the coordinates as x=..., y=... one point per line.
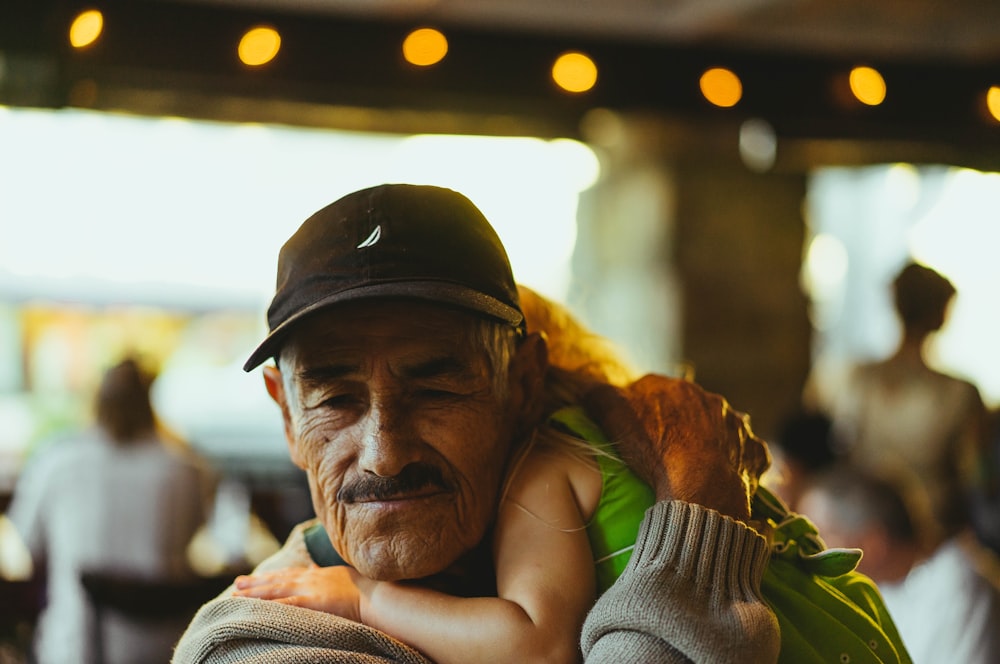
x=393, y=240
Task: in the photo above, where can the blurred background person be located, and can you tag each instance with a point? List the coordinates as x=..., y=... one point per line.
x=944, y=598
x=899, y=416
x=121, y=499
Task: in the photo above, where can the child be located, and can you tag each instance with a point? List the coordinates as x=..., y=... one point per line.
x=564, y=532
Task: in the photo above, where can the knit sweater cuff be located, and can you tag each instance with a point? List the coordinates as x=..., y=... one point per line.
x=719, y=555
x=694, y=582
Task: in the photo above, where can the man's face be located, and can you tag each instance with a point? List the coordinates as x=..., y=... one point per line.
x=391, y=409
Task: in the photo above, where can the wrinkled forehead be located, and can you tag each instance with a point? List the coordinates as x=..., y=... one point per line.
x=390, y=327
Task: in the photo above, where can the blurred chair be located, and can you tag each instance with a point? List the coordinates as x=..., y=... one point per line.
x=21, y=603
x=153, y=613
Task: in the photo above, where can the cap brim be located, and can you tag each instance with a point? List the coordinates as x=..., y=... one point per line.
x=446, y=293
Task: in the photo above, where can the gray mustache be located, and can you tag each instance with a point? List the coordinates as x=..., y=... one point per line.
x=414, y=477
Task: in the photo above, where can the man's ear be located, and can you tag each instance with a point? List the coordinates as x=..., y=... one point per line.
x=276, y=388
x=527, y=376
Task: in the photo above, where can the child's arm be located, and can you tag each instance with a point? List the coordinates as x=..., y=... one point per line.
x=545, y=583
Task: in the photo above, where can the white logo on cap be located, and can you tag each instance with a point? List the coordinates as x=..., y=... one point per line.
x=371, y=239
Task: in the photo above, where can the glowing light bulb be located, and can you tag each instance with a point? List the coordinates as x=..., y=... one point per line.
x=867, y=85
x=574, y=72
x=993, y=101
x=259, y=46
x=425, y=47
x=86, y=28
x=721, y=87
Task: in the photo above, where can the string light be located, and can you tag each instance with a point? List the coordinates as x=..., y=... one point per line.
x=867, y=85
x=574, y=72
x=721, y=87
x=86, y=28
x=259, y=46
x=425, y=47
x=993, y=101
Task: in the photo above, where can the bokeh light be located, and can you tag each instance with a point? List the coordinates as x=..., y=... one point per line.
x=425, y=47
x=721, y=87
x=825, y=265
x=867, y=85
x=574, y=72
x=86, y=28
x=758, y=144
x=259, y=46
x=993, y=101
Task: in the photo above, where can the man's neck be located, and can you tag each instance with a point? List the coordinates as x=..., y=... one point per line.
x=472, y=575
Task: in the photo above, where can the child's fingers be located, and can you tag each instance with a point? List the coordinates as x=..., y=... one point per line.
x=297, y=600
x=245, y=581
x=267, y=589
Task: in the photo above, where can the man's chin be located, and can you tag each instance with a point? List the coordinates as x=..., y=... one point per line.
x=404, y=545
x=401, y=553
x=400, y=564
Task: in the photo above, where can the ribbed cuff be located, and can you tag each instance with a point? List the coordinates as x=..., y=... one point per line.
x=715, y=553
x=693, y=583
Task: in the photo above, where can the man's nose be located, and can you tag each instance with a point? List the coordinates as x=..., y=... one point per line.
x=387, y=442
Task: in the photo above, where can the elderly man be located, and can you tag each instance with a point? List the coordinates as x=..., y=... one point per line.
x=406, y=379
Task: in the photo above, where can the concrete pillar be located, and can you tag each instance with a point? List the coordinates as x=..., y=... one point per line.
x=687, y=256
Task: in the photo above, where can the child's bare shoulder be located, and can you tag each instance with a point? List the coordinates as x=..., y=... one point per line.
x=545, y=470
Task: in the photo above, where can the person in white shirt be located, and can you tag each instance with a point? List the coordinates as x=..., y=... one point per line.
x=943, y=598
x=112, y=499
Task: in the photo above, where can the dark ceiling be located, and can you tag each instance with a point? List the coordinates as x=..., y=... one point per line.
x=158, y=56
x=955, y=30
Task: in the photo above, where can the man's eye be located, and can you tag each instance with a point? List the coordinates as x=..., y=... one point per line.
x=339, y=401
x=436, y=394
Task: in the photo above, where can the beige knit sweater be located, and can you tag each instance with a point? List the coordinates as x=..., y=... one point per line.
x=691, y=593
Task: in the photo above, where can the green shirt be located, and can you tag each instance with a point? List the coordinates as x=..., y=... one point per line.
x=624, y=500
x=827, y=611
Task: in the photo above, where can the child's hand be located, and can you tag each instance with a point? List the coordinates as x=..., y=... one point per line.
x=329, y=589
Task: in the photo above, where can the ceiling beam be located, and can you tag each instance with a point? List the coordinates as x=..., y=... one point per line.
x=188, y=50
